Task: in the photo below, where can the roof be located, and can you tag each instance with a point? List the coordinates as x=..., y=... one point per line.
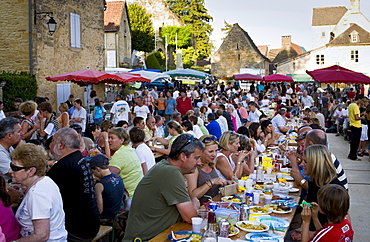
x=263, y=49
x=327, y=16
x=113, y=15
x=344, y=38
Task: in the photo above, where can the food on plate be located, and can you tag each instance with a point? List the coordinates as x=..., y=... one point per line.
x=249, y=226
x=259, y=187
x=259, y=210
x=232, y=199
x=180, y=236
x=232, y=230
x=279, y=207
x=196, y=238
x=275, y=197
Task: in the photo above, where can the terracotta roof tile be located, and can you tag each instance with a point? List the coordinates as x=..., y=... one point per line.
x=113, y=14
x=263, y=49
x=327, y=16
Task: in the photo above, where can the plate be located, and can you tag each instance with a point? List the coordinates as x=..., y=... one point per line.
x=263, y=236
x=276, y=222
x=269, y=210
x=236, y=231
x=231, y=199
x=286, y=202
x=289, y=178
x=293, y=189
x=281, y=212
x=239, y=224
x=187, y=239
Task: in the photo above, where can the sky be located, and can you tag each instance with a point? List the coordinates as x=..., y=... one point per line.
x=267, y=20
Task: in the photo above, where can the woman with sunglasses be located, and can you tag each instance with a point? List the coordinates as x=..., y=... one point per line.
x=174, y=129
x=40, y=213
x=205, y=180
x=229, y=159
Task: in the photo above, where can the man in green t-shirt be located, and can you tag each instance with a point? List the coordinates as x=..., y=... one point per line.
x=355, y=117
x=161, y=198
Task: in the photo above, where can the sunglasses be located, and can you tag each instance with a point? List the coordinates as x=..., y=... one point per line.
x=18, y=168
x=191, y=139
x=210, y=139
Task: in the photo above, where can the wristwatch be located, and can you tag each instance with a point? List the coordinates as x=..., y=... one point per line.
x=303, y=181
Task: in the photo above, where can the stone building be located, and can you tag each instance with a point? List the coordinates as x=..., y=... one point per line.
x=343, y=39
x=117, y=35
x=237, y=52
x=77, y=44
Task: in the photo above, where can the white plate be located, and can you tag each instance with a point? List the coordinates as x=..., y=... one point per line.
x=275, y=221
x=225, y=199
x=236, y=231
x=253, y=223
x=281, y=212
x=293, y=189
x=289, y=178
x=264, y=236
x=251, y=212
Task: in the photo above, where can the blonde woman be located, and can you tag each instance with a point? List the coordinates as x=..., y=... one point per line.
x=29, y=127
x=174, y=129
x=229, y=159
x=205, y=180
x=63, y=117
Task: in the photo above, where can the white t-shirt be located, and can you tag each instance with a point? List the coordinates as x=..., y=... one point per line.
x=80, y=114
x=43, y=201
x=197, y=132
x=254, y=116
x=145, y=155
x=288, y=92
x=120, y=109
x=2, y=115
x=141, y=111
x=278, y=121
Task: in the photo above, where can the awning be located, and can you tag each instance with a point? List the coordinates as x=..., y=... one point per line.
x=301, y=77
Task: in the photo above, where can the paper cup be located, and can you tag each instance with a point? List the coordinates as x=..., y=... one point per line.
x=241, y=183
x=203, y=214
x=256, y=197
x=269, y=170
x=196, y=223
x=268, y=199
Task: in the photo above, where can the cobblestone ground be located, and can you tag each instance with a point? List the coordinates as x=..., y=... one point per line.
x=358, y=173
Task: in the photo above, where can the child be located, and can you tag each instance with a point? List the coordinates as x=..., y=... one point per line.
x=333, y=201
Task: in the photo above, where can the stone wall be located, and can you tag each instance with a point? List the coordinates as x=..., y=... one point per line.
x=237, y=51
x=53, y=55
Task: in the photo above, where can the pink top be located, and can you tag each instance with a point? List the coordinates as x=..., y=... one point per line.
x=8, y=223
x=243, y=113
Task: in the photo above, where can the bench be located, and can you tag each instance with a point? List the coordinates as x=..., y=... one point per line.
x=103, y=231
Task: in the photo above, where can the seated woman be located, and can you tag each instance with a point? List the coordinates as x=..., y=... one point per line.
x=9, y=225
x=227, y=167
x=85, y=142
x=174, y=129
x=29, y=127
x=257, y=134
x=245, y=145
x=94, y=132
x=269, y=132
x=187, y=126
x=40, y=213
x=205, y=180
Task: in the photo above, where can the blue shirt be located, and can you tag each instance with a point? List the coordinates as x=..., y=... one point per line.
x=214, y=129
x=170, y=106
x=99, y=112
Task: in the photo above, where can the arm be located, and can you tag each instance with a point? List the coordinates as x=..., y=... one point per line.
x=114, y=170
x=248, y=167
x=357, y=117
x=188, y=209
x=25, y=126
x=99, y=188
x=306, y=218
x=41, y=228
x=106, y=144
x=65, y=120
x=144, y=167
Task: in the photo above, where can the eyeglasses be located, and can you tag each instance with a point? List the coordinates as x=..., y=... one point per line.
x=191, y=139
x=18, y=168
x=210, y=139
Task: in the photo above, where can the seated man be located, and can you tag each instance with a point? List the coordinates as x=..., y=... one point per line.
x=279, y=122
x=150, y=129
x=161, y=199
x=109, y=189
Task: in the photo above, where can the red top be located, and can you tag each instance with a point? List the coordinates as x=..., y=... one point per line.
x=183, y=105
x=334, y=232
x=351, y=95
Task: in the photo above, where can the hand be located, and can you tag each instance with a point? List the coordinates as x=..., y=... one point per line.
x=36, y=126
x=296, y=235
x=40, y=116
x=268, y=136
x=219, y=181
x=104, y=135
x=241, y=155
x=15, y=194
x=306, y=214
x=292, y=156
x=315, y=209
x=195, y=202
x=296, y=174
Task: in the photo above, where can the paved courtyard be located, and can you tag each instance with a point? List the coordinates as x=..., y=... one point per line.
x=358, y=173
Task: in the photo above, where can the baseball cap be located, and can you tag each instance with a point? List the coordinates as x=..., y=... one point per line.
x=314, y=109
x=98, y=160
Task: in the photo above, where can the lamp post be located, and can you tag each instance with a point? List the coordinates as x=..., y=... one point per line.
x=51, y=23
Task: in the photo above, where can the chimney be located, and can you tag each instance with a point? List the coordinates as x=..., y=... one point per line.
x=286, y=41
x=355, y=6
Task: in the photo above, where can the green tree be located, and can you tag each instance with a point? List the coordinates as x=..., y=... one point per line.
x=184, y=35
x=226, y=30
x=142, y=32
x=193, y=13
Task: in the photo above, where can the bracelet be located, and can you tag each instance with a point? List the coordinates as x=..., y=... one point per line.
x=211, y=182
x=238, y=162
x=106, y=140
x=207, y=182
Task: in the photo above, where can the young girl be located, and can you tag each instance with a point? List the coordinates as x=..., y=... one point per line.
x=99, y=111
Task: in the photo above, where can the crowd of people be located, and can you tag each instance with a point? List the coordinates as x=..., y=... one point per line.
x=159, y=155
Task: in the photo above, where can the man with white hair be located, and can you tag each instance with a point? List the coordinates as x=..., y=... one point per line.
x=306, y=100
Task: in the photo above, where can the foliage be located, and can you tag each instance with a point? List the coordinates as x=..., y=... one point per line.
x=193, y=13
x=226, y=30
x=188, y=57
x=142, y=32
x=18, y=85
x=184, y=35
x=152, y=62
x=161, y=59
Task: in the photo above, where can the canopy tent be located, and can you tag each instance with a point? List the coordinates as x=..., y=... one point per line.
x=86, y=77
x=152, y=70
x=338, y=74
x=131, y=77
x=247, y=77
x=152, y=76
x=301, y=77
x=187, y=72
x=277, y=78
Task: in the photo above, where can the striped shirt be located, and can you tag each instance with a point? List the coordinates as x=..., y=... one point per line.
x=340, y=172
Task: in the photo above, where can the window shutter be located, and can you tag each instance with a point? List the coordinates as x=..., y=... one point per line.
x=72, y=24
x=78, y=31
x=75, y=30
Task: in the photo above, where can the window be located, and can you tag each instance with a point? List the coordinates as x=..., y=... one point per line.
x=320, y=59
x=75, y=30
x=354, y=37
x=354, y=55
x=323, y=34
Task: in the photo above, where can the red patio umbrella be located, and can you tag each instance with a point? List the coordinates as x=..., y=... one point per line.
x=131, y=77
x=86, y=77
x=338, y=74
x=278, y=78
x=247, y=77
